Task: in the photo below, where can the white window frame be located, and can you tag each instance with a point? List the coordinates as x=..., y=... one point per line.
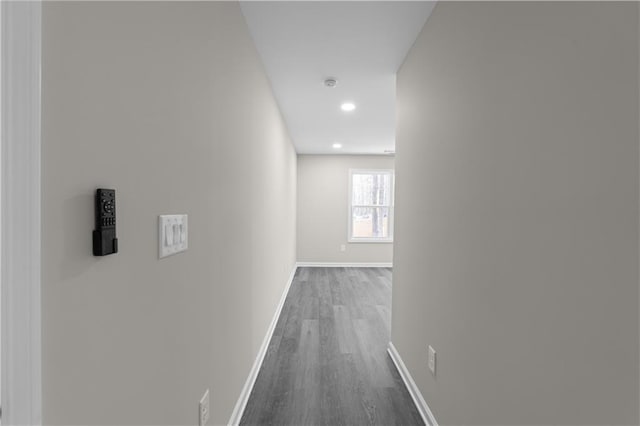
x=20, y=219
x=350, y=237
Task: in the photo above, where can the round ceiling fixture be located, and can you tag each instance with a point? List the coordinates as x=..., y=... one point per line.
x=331, y=82
x=337, y=145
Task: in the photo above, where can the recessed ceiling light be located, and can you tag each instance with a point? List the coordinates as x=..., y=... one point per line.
x=337, y=145
x=348, y=106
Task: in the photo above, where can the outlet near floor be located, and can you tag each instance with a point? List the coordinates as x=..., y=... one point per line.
x=432, y=360
x=204, y=409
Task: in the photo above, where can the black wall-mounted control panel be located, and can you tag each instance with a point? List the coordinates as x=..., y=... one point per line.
x=104, y=236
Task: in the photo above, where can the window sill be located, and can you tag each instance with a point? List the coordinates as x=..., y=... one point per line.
x=371, y=240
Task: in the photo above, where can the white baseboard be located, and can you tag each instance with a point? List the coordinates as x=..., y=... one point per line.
x=421, y=404
x=238, y=410
x=345, y=265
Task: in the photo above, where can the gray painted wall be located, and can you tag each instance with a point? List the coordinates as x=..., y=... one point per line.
x=167, y=103
x=516, y=250
x=323, y=197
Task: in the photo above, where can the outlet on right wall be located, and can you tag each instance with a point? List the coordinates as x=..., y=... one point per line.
x=516, y=238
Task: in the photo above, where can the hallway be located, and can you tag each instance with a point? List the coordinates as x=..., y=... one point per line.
x=487, y=151
x=327, y=362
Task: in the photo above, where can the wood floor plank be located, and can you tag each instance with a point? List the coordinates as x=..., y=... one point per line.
x=308, y=356
x=345, y=331
x=327, y=363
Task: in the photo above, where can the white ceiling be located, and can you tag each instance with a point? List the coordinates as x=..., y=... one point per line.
x=361, y=43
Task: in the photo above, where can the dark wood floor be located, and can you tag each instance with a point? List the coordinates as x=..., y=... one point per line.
x=327, y=362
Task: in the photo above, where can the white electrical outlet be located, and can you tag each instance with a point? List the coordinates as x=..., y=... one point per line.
x=432, y=360
x=204, y=409
x=343, y=247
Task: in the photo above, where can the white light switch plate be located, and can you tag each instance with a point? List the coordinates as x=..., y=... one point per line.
x=173, y=235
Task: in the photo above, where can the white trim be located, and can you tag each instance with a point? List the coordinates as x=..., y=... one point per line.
x=350, y=207
x=241, y=404
x=345, y=264
x=370, y=240
x=20, y=269
x=416, y=395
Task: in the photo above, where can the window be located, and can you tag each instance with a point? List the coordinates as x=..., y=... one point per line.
x=370, y=206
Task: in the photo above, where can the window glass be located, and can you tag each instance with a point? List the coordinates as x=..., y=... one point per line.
x=371, y=208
